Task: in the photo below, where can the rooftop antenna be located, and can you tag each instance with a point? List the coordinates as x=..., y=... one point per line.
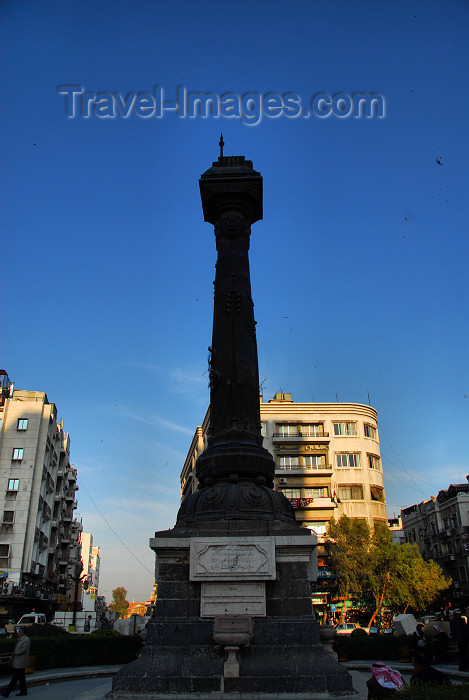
x=336, y=398
x=221, y=143
x=369, y=400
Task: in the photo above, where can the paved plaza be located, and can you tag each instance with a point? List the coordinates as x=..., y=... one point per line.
x=75, y=683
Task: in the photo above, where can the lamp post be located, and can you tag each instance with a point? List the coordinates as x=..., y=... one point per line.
x=76, y=579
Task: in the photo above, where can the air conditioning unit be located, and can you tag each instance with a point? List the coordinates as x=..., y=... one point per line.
x=282, y=480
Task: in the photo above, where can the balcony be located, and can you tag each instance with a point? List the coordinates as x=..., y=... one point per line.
x=300, y=437
x=449, y=556
x=323, y=470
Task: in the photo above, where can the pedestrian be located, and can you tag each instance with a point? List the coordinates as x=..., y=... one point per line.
x=460, y=634
x=87, y=625
x=424, y=673
x=384, y=681
x=18, y=661
x=418, y=639
x=440, y=644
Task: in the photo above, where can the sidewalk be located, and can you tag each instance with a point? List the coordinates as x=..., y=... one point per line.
x=92, y=682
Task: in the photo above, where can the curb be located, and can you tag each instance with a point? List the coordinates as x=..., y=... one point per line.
x=69, y=674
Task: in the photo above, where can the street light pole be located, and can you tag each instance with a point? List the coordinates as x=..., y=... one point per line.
x=76, y=579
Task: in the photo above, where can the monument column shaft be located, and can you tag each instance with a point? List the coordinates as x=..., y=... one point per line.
x=235, y=473
x=234, y=375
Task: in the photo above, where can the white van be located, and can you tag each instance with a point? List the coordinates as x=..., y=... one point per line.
x=31, y=618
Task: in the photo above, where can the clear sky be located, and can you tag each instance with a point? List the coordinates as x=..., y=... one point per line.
x=108, y=266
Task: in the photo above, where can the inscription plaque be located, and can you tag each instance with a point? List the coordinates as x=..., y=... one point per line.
x=231, y=598
x=225, y=559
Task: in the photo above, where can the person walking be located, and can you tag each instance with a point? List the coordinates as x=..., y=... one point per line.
x=419, y=643
x=18, y=661
x=440, y=644
x=87, y=625
x=460, y=634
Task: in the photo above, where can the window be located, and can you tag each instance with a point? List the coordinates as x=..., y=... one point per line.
x=373, y=462
x=8, y=517
x=22, y=424
x=370, y=431
x=285, y=429
x=345, y=428
x=4, y=551
x=377, y=493
x=314, y=461
x=319, y=527
x=320, y=492
x=351, y=492
x=292, y=493
x=13, y=484
x=312, y=430
x=18, y=453
x=347, y=460
x=289, y=462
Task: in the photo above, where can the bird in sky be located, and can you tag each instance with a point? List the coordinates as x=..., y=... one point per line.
x=438, y=160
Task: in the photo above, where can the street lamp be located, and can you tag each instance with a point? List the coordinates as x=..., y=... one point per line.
x=76, y=579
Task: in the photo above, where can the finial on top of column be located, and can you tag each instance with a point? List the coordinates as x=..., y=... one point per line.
x=221, y=143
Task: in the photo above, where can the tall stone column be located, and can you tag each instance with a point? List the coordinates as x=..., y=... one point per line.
x=235, y=473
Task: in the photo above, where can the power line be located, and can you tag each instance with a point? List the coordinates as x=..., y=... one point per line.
x=112, y=530
x=411, y=476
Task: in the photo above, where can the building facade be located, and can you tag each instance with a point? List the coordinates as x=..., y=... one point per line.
x=39, y=535
x=91, y=559
x=327, y=459
x=440, y=529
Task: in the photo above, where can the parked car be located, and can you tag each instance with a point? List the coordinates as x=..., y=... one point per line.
x=346, y=627
x=425, y=619
x=32, y=618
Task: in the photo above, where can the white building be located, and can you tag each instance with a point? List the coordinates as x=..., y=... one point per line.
x=38, y=530
x=90, y=557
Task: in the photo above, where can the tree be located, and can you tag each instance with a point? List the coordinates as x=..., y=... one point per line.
x=119, y=603
x=347, y=549
x=426, y=579
x=399, y=575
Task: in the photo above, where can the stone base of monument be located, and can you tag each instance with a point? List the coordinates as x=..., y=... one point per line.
x=258, y=572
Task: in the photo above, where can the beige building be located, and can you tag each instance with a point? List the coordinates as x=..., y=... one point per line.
x=38, y=531
x=327, y=459
x=440, y=529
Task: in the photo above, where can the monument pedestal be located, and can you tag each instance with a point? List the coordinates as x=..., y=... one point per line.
x=257, y=569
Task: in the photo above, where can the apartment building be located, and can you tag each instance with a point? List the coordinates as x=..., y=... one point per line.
x=327, y=459
x=39, y=535
x=91, y=559
x=440, y=529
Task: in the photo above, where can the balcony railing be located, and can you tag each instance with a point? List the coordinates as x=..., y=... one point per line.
x=295, y=436
x=303, y=468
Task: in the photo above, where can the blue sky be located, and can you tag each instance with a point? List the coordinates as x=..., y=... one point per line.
x=108, y=265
